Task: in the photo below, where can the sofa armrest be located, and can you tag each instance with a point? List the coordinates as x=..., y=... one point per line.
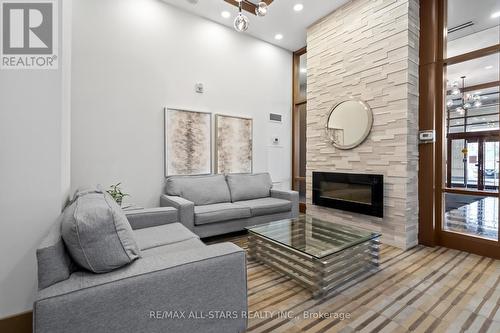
x=151, y=217
x=185, y=209
x=292, y=196
x=150, y=294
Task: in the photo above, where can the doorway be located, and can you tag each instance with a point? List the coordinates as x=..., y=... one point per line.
x=459, y=100
x=473, y=162
x=299, y=126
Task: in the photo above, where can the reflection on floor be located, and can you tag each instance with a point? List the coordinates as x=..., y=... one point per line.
x=480, y=217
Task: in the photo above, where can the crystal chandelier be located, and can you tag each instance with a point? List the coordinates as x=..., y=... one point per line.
x=261, y=9
x=241, y=22
x=467, y=101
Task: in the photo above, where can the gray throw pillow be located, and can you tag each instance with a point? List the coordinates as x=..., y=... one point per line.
x=249, y=186
x=97, y=233
x=54, y=263
x=202, y=190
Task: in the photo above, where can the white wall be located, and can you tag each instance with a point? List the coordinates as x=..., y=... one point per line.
x=33, y=178
x=131, y=58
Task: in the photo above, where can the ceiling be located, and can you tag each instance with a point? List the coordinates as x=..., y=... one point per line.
x=281, y=18
x=483, y=33
x=479, y=12
x=477, y=71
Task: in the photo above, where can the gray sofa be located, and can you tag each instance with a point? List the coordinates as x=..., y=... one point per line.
x=176, y=275
x=217, y=204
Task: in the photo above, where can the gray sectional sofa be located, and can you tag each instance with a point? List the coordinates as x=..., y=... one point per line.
x=217, y=204
x=176, y=275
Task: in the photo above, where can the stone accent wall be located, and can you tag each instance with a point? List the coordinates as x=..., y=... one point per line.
x=368, y=49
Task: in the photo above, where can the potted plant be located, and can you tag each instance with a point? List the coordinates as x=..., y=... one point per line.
x=116, y=192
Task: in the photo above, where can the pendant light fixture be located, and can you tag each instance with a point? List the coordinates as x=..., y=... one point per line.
x=455, y=90
x=467, y=101
x=261, y=9
x=241, y=21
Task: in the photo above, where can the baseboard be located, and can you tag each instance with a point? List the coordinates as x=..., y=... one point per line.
x=20, y=323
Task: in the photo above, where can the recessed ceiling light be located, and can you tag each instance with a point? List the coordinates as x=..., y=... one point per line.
x=495, y=15
x=303, y=70
x=225, y=14
x=298, y=7
x=278, y=36
x=488, y=67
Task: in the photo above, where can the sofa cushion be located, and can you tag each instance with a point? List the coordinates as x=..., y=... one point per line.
x=97, y=233
x=148, y=238
x=202, y=190
x=219, y=212
x=173, y=247
x=266, y=206
x=249, y=186
x=53, y=261
x=151, y=217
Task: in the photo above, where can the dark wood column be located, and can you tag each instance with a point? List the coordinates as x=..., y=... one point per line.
x=431, y=95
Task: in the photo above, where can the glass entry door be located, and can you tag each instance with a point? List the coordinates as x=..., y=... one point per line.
x=460, y=100
x=470, y=196
x=491, y=164
x=473, y=163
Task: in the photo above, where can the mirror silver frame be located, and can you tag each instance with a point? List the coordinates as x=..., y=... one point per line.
x=366, y=132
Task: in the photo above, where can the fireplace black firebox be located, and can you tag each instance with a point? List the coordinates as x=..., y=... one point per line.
x=360, y=193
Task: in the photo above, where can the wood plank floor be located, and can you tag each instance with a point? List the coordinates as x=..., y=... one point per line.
x=420, y=290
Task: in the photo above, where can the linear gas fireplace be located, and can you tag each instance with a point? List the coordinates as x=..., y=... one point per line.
x=360, y=193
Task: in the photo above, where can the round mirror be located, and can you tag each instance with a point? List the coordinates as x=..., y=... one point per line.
x=349, y=123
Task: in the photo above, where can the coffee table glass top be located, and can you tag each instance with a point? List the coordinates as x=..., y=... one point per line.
x=312, y=236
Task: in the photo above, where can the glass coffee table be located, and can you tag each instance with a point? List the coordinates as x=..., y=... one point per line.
x=318, y=254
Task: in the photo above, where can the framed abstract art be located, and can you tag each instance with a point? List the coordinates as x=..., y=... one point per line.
x=233, y=144
x=188, y=142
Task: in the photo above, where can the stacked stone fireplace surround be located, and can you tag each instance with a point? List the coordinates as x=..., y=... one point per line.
x=368, y=49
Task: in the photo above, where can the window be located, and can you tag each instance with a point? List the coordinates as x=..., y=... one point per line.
x=471, y=124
